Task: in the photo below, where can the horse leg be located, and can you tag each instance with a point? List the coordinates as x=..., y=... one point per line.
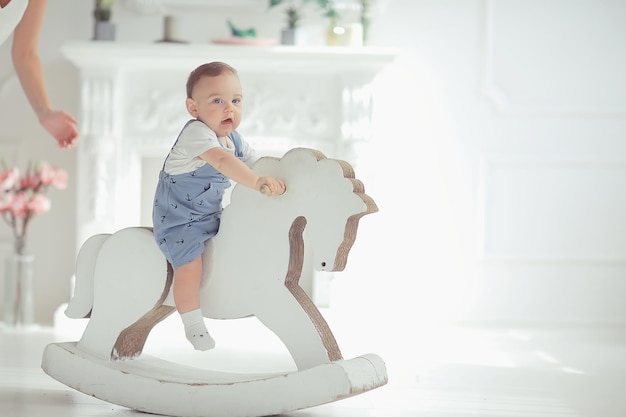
x=289, y=312
x=293, y=317
x=315, y=316
x=130, y=342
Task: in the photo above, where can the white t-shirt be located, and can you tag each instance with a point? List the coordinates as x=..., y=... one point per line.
x=10, y=16
x=194, y=140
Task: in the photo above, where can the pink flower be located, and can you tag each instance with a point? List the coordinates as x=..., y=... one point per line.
x=29, y=181
x=38, y=204
x=49, y=175
x=45, y=172
x=60, y=179
x=19, y=205
x=9, y=178
x=6, y=201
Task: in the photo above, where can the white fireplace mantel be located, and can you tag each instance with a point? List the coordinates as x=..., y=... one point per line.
x=132, y=107
x=277, y=59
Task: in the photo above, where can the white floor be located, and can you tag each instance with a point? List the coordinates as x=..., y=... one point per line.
x=439, y=372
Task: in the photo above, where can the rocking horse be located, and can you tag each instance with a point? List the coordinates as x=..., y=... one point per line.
x=123, y=284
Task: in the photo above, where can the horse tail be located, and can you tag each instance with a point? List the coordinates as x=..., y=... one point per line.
x=82, y=302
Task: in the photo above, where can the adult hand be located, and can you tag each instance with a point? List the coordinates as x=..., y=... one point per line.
x=62, y=127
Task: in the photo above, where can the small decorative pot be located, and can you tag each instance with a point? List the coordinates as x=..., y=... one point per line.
x=104, y=31
x=293, y=36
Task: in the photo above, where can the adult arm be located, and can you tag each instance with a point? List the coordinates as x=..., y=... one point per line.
x=25, y=54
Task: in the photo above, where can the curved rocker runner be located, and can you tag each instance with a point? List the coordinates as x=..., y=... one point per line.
x=123, y=286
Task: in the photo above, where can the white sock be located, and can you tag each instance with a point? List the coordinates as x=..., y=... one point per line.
x=196, y=331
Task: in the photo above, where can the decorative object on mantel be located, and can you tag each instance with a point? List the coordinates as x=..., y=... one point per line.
x=21, y=198
x=344, y=35
x=170, y=30
x=347, y=25
x=243, y=37
x=104, y=29
x=240, y=33
x=292, y=34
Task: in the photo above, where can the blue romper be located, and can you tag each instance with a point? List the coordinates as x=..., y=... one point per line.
x=186, y=214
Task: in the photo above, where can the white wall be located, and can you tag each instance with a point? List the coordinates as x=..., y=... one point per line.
x=494, y=116
x=511, y=129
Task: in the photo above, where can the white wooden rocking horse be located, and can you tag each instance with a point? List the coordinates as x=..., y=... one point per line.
x=123, y=286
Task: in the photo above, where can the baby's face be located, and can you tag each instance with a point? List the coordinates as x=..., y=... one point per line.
x=217, y=101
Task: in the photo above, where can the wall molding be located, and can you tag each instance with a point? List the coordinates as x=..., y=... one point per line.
x=585, y=167
x=503, y=101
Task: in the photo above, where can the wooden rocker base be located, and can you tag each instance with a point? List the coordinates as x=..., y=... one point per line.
x=157, y=386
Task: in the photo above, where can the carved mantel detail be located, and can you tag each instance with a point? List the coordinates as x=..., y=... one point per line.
x=132, y=106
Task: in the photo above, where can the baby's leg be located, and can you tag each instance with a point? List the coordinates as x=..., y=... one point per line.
x=187, y=300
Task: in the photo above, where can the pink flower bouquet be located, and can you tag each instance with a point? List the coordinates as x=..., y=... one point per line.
x=22, y=197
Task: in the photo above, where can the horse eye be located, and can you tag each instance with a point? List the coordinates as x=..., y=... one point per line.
x=323, y=263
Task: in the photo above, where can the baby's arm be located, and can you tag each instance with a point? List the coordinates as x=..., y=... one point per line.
x=229, y=165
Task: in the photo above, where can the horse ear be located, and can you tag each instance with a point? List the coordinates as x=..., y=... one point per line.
x=192, y=108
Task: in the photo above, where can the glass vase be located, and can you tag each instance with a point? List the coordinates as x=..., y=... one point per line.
x=19, y=303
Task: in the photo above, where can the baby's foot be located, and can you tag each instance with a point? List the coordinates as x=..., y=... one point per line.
x=199, y=337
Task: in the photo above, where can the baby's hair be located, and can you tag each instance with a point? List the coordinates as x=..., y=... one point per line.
x=212, y=69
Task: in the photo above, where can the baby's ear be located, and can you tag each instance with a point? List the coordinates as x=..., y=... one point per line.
x=191, y=107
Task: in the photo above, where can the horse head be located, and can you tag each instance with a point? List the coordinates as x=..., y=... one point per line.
x=327, y=203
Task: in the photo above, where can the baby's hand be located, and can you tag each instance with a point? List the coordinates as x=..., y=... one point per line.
x=271, y=186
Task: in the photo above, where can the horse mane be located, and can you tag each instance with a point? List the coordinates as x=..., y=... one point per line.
x=270, y=165
x=353, y=222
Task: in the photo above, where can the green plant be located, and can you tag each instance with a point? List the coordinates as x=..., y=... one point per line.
x=293, y=9
x=102, y=12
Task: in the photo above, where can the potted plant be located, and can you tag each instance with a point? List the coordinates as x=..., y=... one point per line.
x=293, y=11
x=104, y=29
